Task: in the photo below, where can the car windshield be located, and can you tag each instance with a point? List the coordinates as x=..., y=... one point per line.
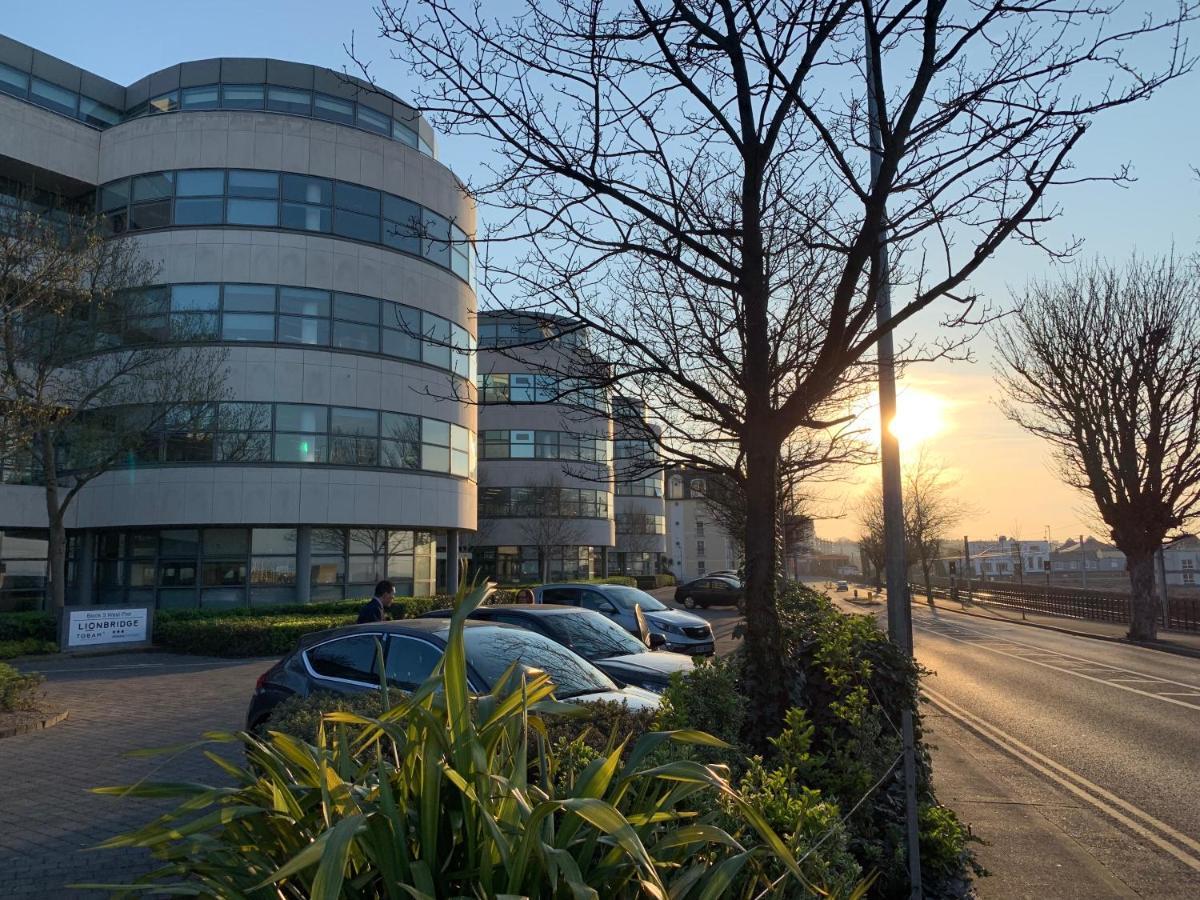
x=594, y=637
x=627, y=598
x=491, y=650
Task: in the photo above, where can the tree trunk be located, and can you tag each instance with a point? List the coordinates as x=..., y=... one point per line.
x=763, y=682
x=926, y=570
x=1143, y=624
x=57, y=544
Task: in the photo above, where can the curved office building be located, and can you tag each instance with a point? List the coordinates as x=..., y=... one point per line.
x=300, y=220
x=641, y=511
x=545, y=456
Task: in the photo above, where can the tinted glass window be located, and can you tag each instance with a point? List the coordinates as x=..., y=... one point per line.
x=252, y=212
x=594, y=636
x=152, y=187
x=351, y=658
x=333, y=109
x=200, y=183
x=303, y=301
x=96, y=113
x=51, y=96
x=289, y=100
x=13, y=81
x=303, y=217
x=249, y=298
x=298, y=330
x=245, y=183
x=596, y=601
x=243, y=327
x=356, y=199
x=356, y=226
x=355, y=308
x=242, y=96
x=400, y=344
x=151, y=215
x=193, y=211
x=491, y=650
x=115, y=195
x=627, y=598
x=352, y=336
x=374, y=121
x=206, y=97
x=300, y=417
x=565, y=596
x=195, y=297
x=303, y=189
x=410, y=661
x=168, y=102
x=362, y=422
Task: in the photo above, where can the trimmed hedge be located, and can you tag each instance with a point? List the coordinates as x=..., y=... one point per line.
x=26, y=647
x=651, y=582
x=22, y=626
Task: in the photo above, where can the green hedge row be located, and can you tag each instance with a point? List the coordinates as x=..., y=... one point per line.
x=26, y=647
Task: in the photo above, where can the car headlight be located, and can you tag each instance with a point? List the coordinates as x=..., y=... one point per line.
x=667, y=626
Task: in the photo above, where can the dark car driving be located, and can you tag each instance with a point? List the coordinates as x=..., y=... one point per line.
x=596, y=638
x=710, y=590
x=344, y=660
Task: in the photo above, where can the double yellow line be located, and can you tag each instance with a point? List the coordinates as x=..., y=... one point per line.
x=1136, y=820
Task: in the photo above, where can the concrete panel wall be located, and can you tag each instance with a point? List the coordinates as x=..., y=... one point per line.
x=511, y=532
x=45, y=140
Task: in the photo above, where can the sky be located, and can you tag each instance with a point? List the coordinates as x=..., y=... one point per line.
x=1007, y=477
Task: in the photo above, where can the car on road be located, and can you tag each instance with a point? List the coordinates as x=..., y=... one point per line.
x=598, y=639
x=344, y=661
x=709, y=590
x=843, y=586
x=681, y=632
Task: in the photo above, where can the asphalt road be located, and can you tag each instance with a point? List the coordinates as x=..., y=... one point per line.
x=1115, y=729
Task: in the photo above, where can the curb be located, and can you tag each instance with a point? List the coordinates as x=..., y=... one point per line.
x=1160, y=646
x=34, y=725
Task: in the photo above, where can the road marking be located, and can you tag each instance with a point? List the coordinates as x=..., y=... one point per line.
x=1152, y=829
x=1112, y=682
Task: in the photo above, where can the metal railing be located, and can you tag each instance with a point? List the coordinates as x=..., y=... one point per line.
x=1181, y=613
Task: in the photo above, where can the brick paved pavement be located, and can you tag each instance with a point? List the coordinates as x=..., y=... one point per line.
x=117, y=703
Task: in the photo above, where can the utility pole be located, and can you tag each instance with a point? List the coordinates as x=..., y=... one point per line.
x=898, y=606
x=967, y=570
x=1083, y=562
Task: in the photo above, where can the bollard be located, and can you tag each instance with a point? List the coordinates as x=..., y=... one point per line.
x=856, y=593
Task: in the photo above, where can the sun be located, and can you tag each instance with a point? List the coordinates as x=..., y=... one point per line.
x=920, y=417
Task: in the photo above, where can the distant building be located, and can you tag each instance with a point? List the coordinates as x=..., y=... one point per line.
x=1181, y=559
x=1092, y=556
x=696, y=543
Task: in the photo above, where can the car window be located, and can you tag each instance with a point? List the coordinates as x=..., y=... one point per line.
x=566, y=596
x=594, y=636
x=410, y=661
x=594, y=600
x=350, y=658
x=628, y=597
x=490, y=651
x=529, y=622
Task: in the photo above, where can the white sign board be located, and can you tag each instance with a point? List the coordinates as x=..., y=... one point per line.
x=103, y=627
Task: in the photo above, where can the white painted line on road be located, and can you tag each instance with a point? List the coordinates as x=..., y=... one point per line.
x=1103, y=800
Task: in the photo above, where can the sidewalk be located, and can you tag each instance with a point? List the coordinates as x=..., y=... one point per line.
x=1182, y=643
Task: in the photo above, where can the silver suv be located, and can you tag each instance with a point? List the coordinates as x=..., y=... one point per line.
x=680, y=632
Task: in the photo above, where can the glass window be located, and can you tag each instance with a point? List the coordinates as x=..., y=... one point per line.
x=195, y=298
x=150, y=215
x=114, y=195
x=242, y=96
x=373, y=121
x=253, y=212
x=303, y=301
x=356, y=226
x=96, y=113
x=410, y=661
x=400, y=454
x=301, y=448
x=401, y=344
x=351, y=451
x=301, y=417
x=352, y=336
x=51, y=96
x=402, y=234
x=399, y=426
x=249, y=298
x=333, y=109
x=303, y=189
x=360, y=422
x=349, y=659
x=153, y=187
x=404, y=133
x=254, y=447
x=272, y=570
x=244, y=417
x=179, y=542
x=355, y=308
x=436, y=238
x=204, y=97
x=248, y=183
x=328, y=540
x=493, y=650
x=168, y=102
x=200, y=183
x=207, y=211
x=13, y=81
x=298, y=330
x=226, y=541
x=289, y=100
x=302, y=217
x=436, y=349
x=356, y=199
x=244, y=327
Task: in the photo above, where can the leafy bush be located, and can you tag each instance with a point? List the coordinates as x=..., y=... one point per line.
x=401, y=608
x=435, y=798
x=17, y=690
x=301, y=716
x=240, y=636
x=650, y=582
x=20, y=626
x=26, y=647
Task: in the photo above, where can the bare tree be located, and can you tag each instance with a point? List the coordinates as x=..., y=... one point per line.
x=1105, y=365
x=77, y=404
x=546, y=524
x=689, y=182
x=931, y=508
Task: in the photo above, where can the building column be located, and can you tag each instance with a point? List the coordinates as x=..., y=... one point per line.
x=85, y=569
x=452, y=561
x=604, y=562
x=303, y=564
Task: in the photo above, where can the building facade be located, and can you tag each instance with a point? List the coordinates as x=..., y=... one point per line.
x=300, y=219
x=640, y=511
x=546, y=502
x=696, y=543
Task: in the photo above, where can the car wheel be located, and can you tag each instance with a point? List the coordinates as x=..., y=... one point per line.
x=689, y=601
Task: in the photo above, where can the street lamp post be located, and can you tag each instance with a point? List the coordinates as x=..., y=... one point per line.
x=898, y=608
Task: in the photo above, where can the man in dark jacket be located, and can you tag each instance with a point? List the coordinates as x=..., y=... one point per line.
x=374, y=610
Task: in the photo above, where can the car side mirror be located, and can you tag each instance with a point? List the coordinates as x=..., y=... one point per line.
x=657, y=641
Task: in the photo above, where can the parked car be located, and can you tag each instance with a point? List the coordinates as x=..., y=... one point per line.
x=681, y=632
x=843, y=586
x=726, y=573
x=343, y=660
x=598, y=639
x=711, y=590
